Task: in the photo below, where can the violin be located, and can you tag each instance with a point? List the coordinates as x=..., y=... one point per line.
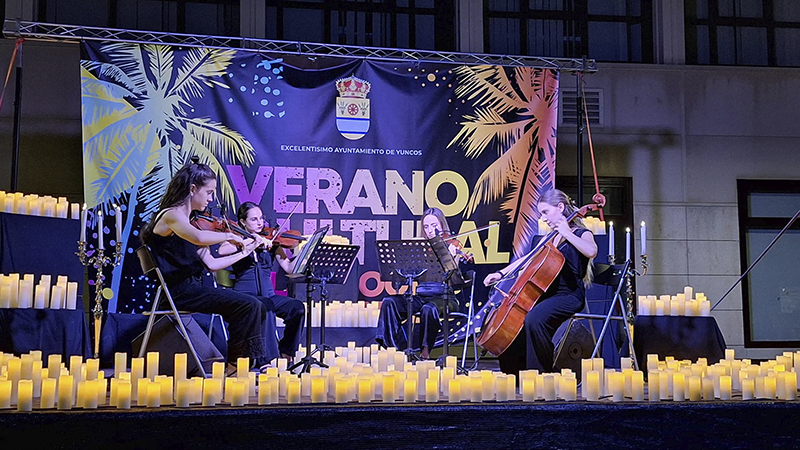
x=452, y=239
x=285, y=239
x=204, y=220
x=505, y=319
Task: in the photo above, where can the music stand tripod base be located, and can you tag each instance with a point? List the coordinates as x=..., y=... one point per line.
x=328, y=263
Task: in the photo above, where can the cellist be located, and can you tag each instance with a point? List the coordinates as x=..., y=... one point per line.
x=533, y=348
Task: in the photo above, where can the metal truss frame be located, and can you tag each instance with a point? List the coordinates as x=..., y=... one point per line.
x=51, y=32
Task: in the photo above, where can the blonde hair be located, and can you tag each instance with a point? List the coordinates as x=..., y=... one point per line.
x=555, y=196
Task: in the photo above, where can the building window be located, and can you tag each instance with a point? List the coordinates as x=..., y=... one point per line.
x=771, y=291
x=202, y=17
x=743, y=32
x=415, y=24
x=609, y=30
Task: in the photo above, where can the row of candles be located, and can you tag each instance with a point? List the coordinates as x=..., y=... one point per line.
x=598, y=227
x=32, y=204
x=352, y=314
x=82, y=385
x=16, y=292
x=99, y=222
x=681, y=304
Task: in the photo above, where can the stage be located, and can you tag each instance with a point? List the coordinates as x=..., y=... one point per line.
x=713, y=424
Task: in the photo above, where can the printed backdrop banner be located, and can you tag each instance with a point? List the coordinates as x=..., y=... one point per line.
x=363, y=146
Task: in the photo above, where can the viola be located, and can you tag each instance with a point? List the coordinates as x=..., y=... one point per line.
x=504, y=321
x=204, y=220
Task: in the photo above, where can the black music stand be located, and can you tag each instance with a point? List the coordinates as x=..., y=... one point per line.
x=403, y=262
x=320, y=263
x=451, y=276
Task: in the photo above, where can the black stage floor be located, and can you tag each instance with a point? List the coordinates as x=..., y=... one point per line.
x=573, y=425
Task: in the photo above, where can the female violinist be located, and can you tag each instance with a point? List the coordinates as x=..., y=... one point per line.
x=182, y=252
x=252, y=276
x=533, y=348
x=429, y=301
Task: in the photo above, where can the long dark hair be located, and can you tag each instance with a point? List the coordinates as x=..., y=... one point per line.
x=179, y=189
x=244, y=208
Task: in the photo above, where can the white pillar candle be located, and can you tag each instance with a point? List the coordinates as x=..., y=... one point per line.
x=748, y=388
x=678, y=387
x=241, y=388
x=209, y=395
x=120, y=363
x=25, y=396
x=637, y=386
x=365, y=389
x=769, y=387
x=643, y=238
x=141, y=391
x=549, y=387
x=91, y=400
x=317, y=392
x=38, y=374
x=591, y=386
x=454, y=390
x=708, y=388
x=5, y=393
x=25, y=294
x=39, y=297
x=118, y=222
x=610, y=238
x=263, y=391
x=725, y=387
x=616, y=386
x=529, y=389
x=431, y=390
x=167, y=385
x=153, y=394
x=501, y=383
x=292, y=390
x=627, y=244
x=476, y=387
x=705, y=308
x=65, y=392
x=55, y=297
x=100, y=245
x=123, y=394
x=152, y=365
x=790, y=385
x=72, y=295
x=14, y=374
x=568, y=388
x=84, y=213
x=48, y=398
x=137, y=372
x=654, y=385
x=488, y=385
x=410, y=390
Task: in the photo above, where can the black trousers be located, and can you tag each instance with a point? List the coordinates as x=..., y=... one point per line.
x=244, y=314
x=534, y=348
x=293, y=313
x=391, y=322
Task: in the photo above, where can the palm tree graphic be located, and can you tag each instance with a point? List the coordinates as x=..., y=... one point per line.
x=516, y=113
x=138, y=128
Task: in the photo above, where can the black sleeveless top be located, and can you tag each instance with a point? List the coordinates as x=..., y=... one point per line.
x=176, y=257
x=570, y=279
x=253, y=274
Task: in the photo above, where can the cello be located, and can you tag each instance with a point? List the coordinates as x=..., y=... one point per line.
x=543, y=264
